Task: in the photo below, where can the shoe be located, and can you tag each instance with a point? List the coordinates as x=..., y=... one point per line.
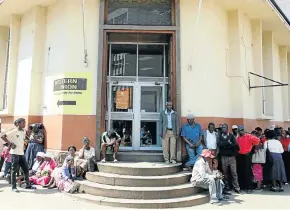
x=115, y=161
x=173, y=162
x=249, y=191
x=258, y=190
x=15, y=190
x=167, y=162
x=227, y=193
x=215, y=202
x=274, y=189
x=281, y=189
x=29, y=187
x=237, y=191
x=224, y=198
x=103, y=161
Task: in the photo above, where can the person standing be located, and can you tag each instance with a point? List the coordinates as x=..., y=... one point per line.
x=210, y=138
x=192, y=135
x=235, y=131
x=168, y=126
x=244, y=159
x=228, y=149
x=15, y=138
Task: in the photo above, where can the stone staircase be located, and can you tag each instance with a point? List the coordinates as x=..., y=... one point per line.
x=140, y=185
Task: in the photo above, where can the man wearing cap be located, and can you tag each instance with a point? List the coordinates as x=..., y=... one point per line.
x=168, y=126
x=244, y=158
x=15, y=138
x=110, y=140
x=235, y=131
x=192, y=135
x=203, y=176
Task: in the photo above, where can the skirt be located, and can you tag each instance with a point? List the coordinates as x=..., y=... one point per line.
x=278, y=169
x=286, y=159
x=257, y=172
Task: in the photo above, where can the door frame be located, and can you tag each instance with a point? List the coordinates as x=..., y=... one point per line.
x=172, y=73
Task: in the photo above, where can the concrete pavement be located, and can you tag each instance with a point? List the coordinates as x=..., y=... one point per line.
x=45, y=199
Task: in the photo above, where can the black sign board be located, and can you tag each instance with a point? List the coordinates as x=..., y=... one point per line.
x=70, y=84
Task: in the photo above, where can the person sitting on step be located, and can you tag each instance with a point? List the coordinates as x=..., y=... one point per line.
x=110, y=140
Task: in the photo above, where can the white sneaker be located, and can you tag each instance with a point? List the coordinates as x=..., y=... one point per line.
x=173, y=161
x=115, y=160
x=103, y=161
x=167, y=162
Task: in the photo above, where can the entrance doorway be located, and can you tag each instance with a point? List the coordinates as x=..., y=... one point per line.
x=137, y=88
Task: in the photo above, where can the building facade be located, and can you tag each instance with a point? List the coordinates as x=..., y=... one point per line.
x=83, y=67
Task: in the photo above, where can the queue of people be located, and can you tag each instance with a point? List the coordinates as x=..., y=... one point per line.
x=26, y=163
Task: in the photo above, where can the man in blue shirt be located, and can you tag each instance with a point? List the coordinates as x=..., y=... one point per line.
x=192, y=135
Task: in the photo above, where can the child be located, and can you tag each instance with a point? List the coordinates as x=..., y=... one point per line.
x=7, y=159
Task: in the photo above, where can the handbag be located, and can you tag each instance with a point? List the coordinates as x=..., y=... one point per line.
x=259, y=156
x=269, y=158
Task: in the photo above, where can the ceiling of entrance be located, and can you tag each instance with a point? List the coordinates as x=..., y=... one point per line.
x=19, y=7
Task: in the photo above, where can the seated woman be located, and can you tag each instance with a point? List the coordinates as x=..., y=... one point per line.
x=71, y=154
x=63, y=178
x=86, y=160
x=202, y=176
x=43, y=174
x=35, y=143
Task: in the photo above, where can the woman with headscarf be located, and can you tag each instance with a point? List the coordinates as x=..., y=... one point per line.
x=277, y=170
x=204, y=177
x=43, y=174
x=35, y=143
x=86, y=160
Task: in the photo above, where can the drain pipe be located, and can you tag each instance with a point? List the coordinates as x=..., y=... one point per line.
x=84, y=35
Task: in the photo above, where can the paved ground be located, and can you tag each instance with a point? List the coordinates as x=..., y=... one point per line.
x=51, y=199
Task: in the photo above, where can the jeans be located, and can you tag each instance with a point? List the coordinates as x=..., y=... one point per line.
x=7, y=167
x=193, y=154
x=17, y=162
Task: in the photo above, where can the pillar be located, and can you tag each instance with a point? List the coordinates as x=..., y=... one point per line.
x=268, y=65
x=257, y=31
x=284, y=79
x=4, y=32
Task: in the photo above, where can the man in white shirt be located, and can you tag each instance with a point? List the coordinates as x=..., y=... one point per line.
x=210, y=138
x=15, y=138
x=110, y=140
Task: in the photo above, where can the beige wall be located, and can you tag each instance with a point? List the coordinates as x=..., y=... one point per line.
x=65, y=41
x=4, y=32
x=225, y=48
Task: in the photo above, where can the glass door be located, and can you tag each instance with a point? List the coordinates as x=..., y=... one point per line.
x=121, y=112
x=152, y=102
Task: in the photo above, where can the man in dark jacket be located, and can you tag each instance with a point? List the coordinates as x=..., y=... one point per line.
x=228, y=149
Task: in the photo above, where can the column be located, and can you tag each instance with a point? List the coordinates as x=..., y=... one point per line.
x=4, y=32
x=15, y=22
x=257, y=31
x=234, y=56
x=268, y=65
x=284, y=79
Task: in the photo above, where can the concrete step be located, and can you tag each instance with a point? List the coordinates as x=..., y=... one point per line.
x=140, y=156
x=138, y=192
x=139, y=181
x=188, y=201
x=139, y=169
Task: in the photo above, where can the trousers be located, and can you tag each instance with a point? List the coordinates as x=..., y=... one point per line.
x=17, y=162
x=229, y=167
x=169, y=146
x=193, y=154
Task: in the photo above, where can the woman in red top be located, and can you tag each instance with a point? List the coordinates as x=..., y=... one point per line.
x=286, y=155
x=244, y=159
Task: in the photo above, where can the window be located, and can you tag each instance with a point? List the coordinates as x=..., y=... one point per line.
x=140, y=12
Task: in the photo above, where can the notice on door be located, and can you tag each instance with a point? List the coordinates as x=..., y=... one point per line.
x=123, y=99
x=70, y=93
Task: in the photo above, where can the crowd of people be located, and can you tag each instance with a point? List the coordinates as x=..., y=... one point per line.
x=244, y=161
x=223, y=159
x=27, y=165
